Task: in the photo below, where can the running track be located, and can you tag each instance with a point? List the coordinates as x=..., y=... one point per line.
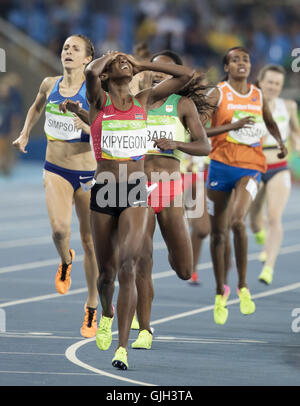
x=42, y=344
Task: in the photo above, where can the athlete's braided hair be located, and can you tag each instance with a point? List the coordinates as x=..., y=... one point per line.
x=170, y=54
x=195, y=89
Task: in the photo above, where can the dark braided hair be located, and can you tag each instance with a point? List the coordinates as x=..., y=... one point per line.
x=194, y=89
x=170, y=54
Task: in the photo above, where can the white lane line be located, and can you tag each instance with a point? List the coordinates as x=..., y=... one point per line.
x=35, y=265
x=71, y=351
x=41, y=333
x=20, y=335
x=210, y=340
x=29, y=353
x=286, y=288
x=157, y=275
x=29, y=211
x=28, y=197
x=47, y=239
x=27, y=242
x=55, y=261
x=45, y=373
x=43, y=240
x=42, y=211
x=70, y=355
x=21, y=225
x=44, y=222
x=42, y=297
x=5, y=214
x=291, y=225
x=207, y=342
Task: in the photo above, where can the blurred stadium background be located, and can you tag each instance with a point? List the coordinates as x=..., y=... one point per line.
x=32, y=33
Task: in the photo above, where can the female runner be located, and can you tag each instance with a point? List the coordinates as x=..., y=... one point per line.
x=200, y=226
x=118, y=128
x=167, y=122
x=69, y=163
x=276, y=182
x=237, y=161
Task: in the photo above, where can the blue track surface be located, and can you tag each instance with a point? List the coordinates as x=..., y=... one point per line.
x=42, y=343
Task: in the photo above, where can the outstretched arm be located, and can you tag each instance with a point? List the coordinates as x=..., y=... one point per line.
x=34, y=114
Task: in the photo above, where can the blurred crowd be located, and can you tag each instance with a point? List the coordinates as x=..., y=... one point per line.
x=200, y=30
x=11, y=116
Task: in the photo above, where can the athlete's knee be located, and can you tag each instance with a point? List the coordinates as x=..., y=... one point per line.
x=60, y=231
x=274, y=221
x=144, y=266
x=183, y=270
x=107, y=275
x=218, y=237
x=238, y=224
x=87, y=244
x=107, y=272
x=126, y=272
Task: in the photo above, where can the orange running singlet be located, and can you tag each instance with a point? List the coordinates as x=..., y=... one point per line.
x=241, y=148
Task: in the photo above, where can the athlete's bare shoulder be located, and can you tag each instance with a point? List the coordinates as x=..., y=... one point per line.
x=213, y=96
x=185, y=104
x=48, y=83
x=291, y=104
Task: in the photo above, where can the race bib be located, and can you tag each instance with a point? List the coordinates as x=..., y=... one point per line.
x=123, y=139
x=159, y=127
x=59, y=125
x=284, y=129
x=248, y=136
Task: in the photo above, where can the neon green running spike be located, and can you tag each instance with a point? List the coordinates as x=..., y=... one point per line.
x=135, y=324
x=247, y=306
x=104, y=334
x=262, y=256
x=220, y=311
x=266, y=275
x=120, y=359
x=144, y=340
x=260, y=236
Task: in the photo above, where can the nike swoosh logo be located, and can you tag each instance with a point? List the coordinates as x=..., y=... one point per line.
x=85, y=177
x=54, y=101
x=110, y=115
x=151, y=188
x=141, y=201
